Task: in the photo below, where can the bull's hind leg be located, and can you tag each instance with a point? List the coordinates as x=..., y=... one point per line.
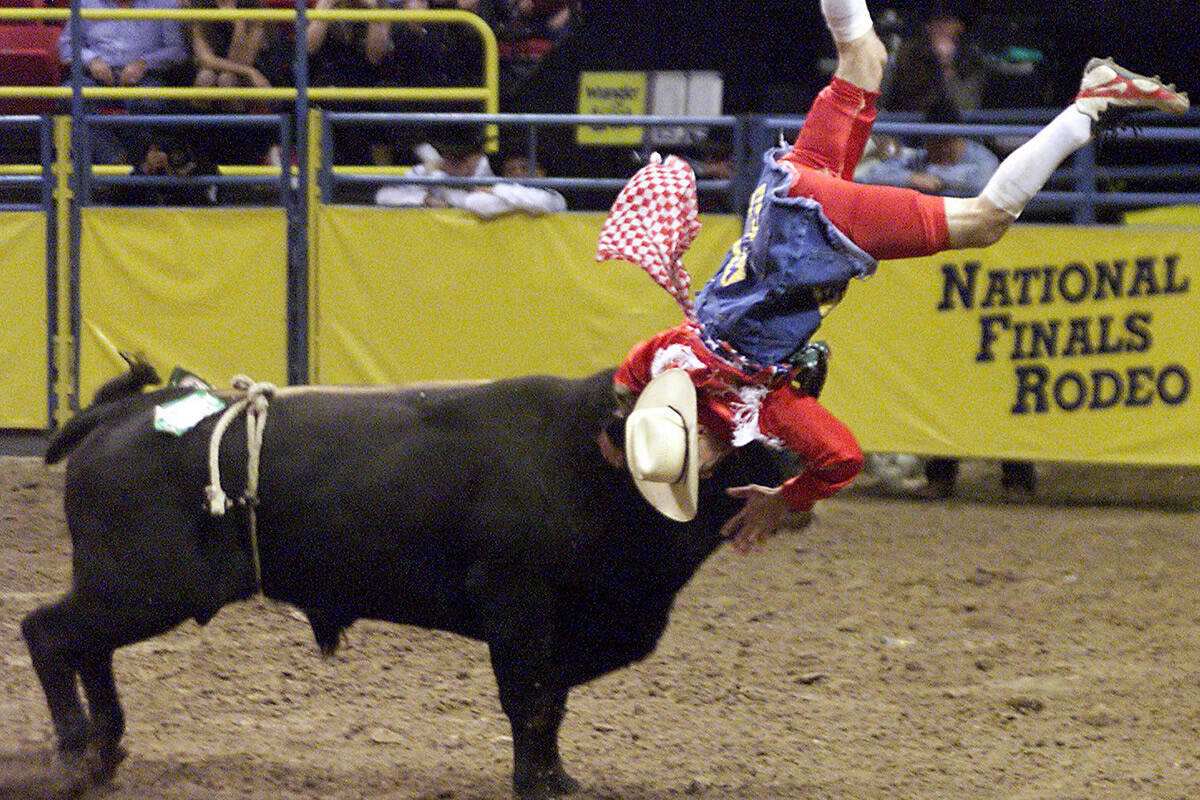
x=42, y=630
x=76, y=637
x=105, y=752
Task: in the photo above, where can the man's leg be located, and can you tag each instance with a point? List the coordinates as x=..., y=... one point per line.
x=861, y=55
x=105, y=146
x=838, y=125
x=980, y=221
x=886, y=222
x=890, y=222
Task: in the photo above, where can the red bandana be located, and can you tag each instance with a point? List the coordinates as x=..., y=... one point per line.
x=652, y=222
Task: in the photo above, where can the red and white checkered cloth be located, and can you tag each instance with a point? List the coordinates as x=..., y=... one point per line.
x=652, y=222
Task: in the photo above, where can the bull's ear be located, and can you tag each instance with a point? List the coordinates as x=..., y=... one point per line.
x=132, y=361
x=625, y=397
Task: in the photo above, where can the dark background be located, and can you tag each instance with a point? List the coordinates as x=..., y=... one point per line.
x=769, y=52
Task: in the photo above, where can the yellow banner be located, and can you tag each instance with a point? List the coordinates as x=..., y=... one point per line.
x=611, y=93
x=1060, y=343
x=413, y=294
x=201, y=288
x=1166, y=215
x=24, y=370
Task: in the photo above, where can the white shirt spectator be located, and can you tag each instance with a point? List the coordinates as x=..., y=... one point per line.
x=485, y=202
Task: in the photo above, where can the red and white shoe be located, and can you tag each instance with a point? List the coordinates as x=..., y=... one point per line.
x=1107, y=85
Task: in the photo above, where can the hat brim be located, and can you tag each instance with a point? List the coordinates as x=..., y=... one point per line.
x=679, y=500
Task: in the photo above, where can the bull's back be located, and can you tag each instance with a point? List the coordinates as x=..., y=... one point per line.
x=393, y=501
x=402, y=455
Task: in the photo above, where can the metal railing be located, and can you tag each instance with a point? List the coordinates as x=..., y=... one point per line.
x=296, y=197
x=307, y=175
x=330, y=176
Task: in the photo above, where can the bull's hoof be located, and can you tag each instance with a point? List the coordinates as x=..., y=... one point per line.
x=76, y=778
x=552, y=783
x=102, y=759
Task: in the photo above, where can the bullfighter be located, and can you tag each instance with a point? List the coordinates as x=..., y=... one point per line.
x=809, y=229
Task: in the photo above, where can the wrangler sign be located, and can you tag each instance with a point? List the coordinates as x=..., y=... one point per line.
x=1057, y=343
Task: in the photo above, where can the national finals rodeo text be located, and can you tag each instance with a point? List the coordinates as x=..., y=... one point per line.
x=1045, y=351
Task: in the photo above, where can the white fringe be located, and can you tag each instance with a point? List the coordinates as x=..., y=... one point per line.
x=674, y=356
x=745, y=417
x=745, y=408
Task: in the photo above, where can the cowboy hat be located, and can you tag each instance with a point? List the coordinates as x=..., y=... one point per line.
x=661, y=442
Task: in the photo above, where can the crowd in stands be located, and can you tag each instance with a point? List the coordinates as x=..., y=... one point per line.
x=249, y=53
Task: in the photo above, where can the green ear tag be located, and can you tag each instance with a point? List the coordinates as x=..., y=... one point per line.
x=180, y=416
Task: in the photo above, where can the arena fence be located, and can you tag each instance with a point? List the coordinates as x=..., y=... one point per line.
x=1068, y=342
x=72, y=158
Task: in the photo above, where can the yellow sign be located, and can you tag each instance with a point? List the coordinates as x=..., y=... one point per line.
x=201, y=288
x=611, y=93
x=406, y=295
x=1060, y=343
x=24, y=372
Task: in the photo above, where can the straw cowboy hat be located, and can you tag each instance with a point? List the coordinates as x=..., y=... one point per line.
x=661, y=442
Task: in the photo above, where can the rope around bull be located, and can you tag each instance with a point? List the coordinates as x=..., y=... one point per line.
x=255, y=402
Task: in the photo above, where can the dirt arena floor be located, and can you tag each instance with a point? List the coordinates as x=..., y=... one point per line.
x=895, y=648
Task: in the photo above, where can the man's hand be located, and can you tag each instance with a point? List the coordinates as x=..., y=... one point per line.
x=101, y=71
x=762, y=515
x=133, y=72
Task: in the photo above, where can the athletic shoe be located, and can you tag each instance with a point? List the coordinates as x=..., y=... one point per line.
x=1106, y=85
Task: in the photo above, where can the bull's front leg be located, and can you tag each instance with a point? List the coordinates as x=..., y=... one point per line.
x=538, y=772
x=522, y=646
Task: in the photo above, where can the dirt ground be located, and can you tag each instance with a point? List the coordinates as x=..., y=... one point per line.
x=895, y=648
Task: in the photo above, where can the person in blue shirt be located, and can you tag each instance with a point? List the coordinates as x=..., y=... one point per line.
x=124, y=52
x=951, y=166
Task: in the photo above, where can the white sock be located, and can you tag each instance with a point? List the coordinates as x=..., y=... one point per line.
x=847, y=19
x=1026, y=170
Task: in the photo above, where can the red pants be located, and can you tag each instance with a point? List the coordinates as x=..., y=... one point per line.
x=885, y=221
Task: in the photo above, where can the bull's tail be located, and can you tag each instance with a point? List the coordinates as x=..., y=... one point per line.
x=107, y=403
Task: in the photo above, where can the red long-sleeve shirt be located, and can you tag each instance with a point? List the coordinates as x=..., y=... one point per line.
x=739, y=409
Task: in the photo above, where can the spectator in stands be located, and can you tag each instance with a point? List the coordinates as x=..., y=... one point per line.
x=437, y=54
x=429, y=54
x=952, y=166
x=712, y=159
x=173, y=155
x=527, y=30
x=123, y=52
x=348, y=54
x=940, y=61
x=457, y=152
x=236, y=53
x=440, y=54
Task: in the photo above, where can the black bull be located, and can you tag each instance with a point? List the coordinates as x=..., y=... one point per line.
x=485, y=510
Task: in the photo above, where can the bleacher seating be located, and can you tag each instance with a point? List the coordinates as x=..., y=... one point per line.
x=28, y=57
